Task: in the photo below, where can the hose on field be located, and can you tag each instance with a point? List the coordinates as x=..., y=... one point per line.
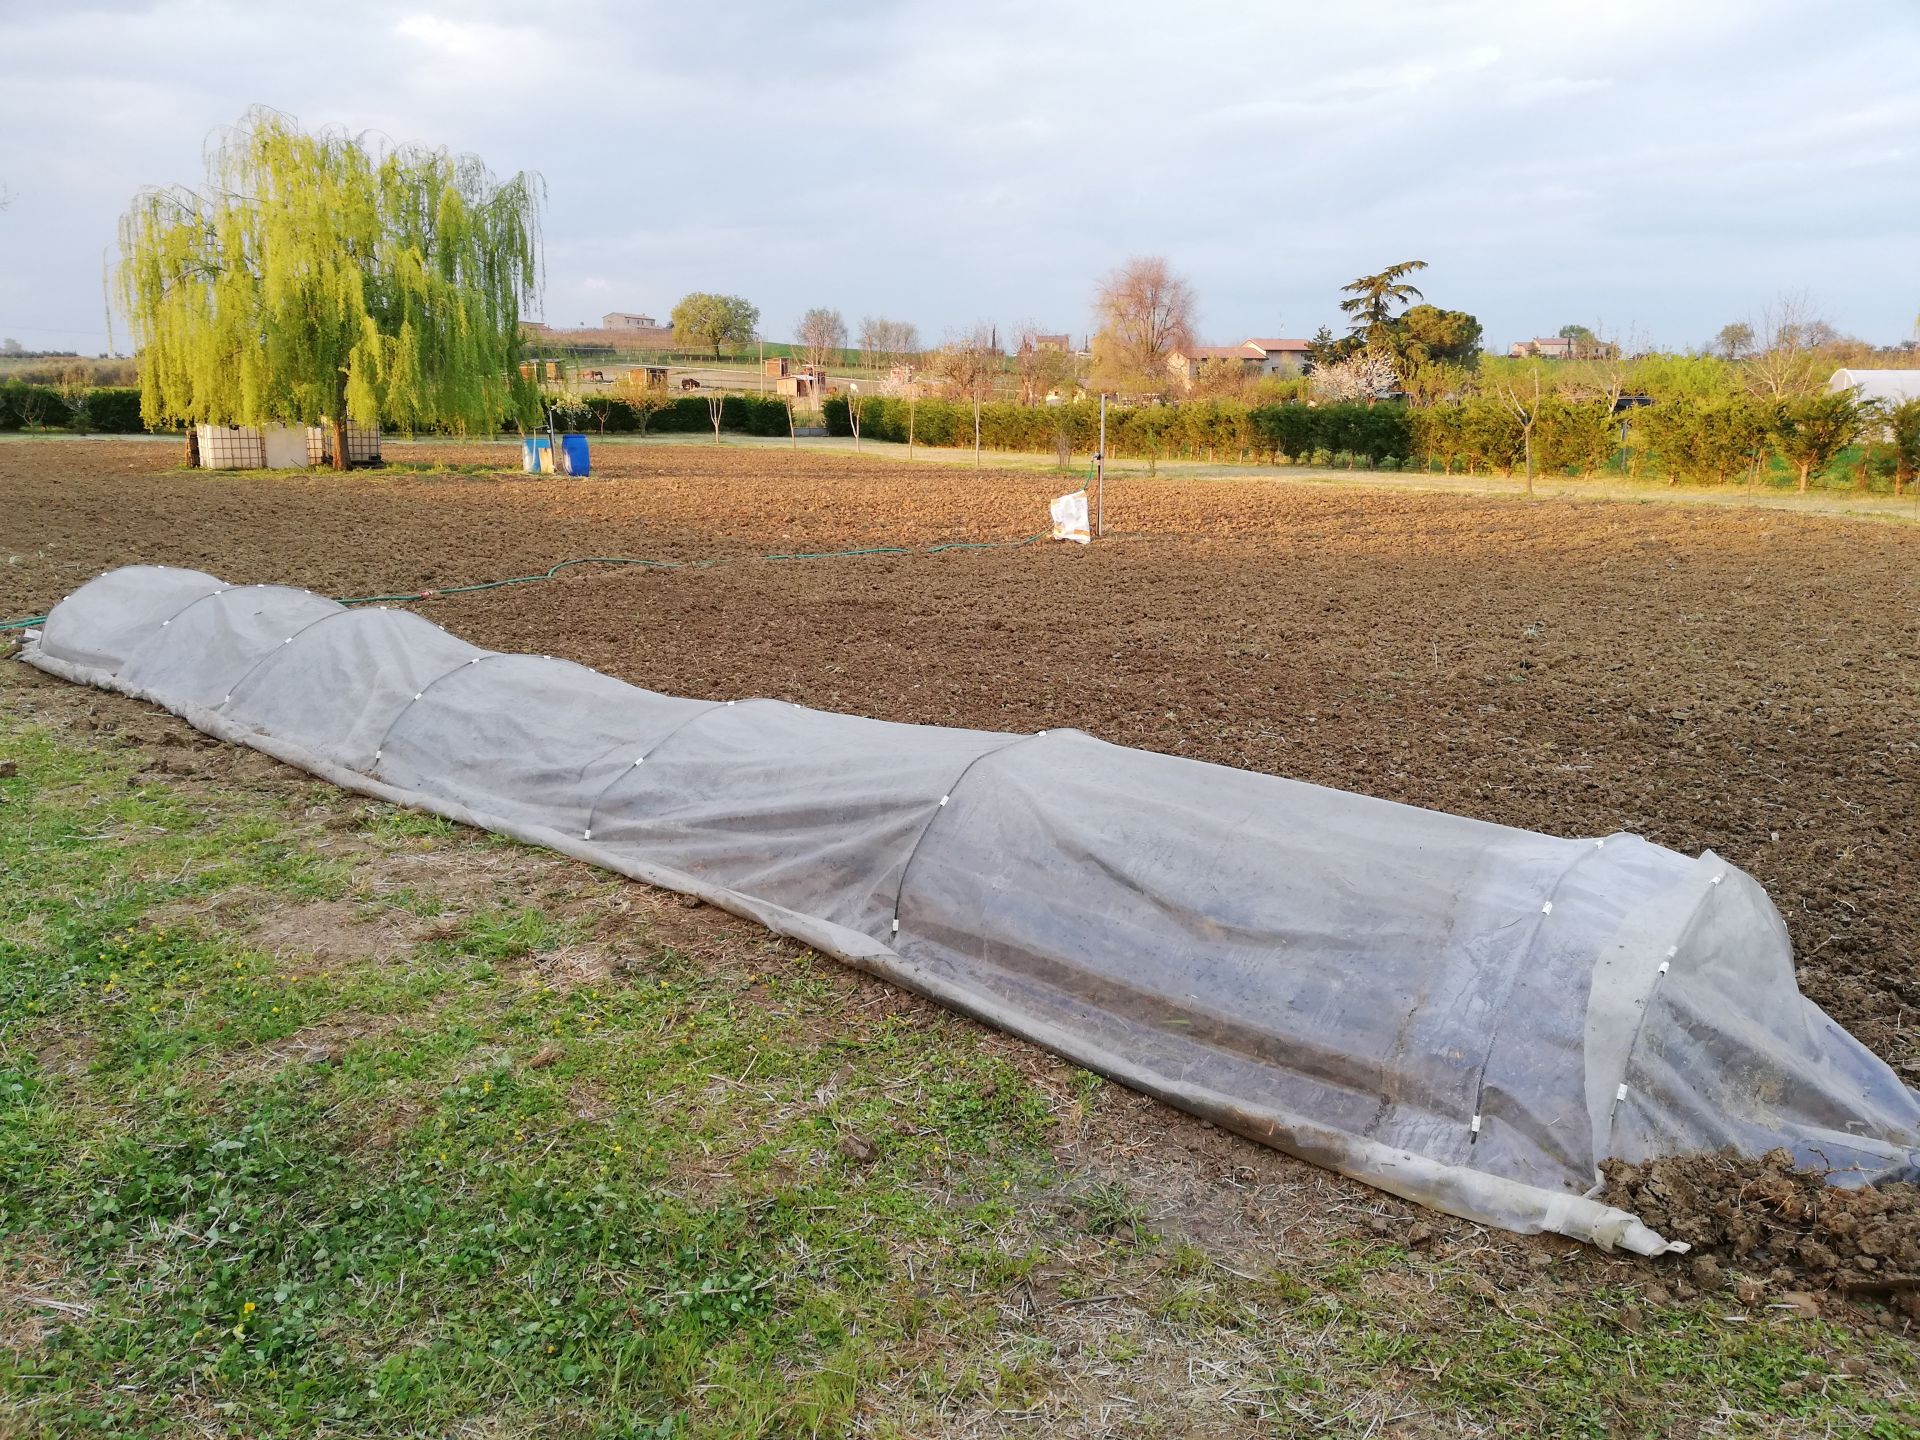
x=402, y=597
x=405, y=597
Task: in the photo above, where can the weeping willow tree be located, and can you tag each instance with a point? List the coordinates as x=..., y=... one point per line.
x=321, y=278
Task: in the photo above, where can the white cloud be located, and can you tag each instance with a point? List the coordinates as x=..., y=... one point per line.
x=1669, y=164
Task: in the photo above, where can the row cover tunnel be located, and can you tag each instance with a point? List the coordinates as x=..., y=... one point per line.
x=1465, y=1014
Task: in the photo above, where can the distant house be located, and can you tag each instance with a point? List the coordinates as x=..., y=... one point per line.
x=1282, y=357
x=1256, y=357
x=621, y=321
x=1062, y=343
x=1564, y=347
x=1542, y=347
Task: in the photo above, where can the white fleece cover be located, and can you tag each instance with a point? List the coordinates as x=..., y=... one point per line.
x=1469, y=1016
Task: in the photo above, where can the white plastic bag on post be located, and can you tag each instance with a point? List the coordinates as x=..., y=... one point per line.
x=1070, y=518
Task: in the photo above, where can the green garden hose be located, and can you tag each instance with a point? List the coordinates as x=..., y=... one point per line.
x=406, y=597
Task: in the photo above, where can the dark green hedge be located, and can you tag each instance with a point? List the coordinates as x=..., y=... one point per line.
x=33, y=407
x=111, y=410
x=686, y=414
x=116, y=411
x=1216, y=430
x=1036, y=428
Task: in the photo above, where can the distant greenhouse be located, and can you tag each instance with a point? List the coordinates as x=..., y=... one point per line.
x=1890, y=387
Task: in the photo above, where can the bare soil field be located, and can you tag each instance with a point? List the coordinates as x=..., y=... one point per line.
x=1706, y=677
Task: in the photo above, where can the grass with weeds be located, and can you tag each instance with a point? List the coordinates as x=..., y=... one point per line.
x=412, y=1192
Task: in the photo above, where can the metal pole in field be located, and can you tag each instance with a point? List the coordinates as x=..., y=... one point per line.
x=1100, y=473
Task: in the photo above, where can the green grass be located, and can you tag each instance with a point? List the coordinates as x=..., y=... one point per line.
x=242, y=1194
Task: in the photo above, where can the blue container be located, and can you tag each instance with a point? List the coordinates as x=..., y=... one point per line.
x=573, y=455
x=536, y=456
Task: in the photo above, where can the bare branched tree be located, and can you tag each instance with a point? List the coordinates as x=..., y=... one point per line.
x=967, y=366
x=822, y=334
x=1522, y=395
x=886, y=343
x=1784, y=362
x=1221, y=380
x=1146, y=312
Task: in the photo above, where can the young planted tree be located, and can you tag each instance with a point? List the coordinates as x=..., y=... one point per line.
x=1700, y=441
x=643, y=398
x=327, y=277
x=1145, y=430
x=1810, y=430
x=704, y=320
x=1490, y=435
x=1903, y=423
x=1439, y=433
x=967, y=366
x=1523, y=399
x=1574, y=433
x=1578, y=428
x=1287, y=430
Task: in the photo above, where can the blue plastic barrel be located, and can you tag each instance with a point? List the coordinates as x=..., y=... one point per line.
x=573, y=454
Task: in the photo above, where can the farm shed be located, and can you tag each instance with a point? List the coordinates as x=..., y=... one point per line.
x=1464, y=1014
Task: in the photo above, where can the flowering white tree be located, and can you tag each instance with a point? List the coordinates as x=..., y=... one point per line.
x=1368, y=376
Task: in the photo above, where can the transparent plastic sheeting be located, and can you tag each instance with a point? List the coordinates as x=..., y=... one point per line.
x=1466, y=1015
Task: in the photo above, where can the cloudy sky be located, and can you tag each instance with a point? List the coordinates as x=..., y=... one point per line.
x=1653, y=168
